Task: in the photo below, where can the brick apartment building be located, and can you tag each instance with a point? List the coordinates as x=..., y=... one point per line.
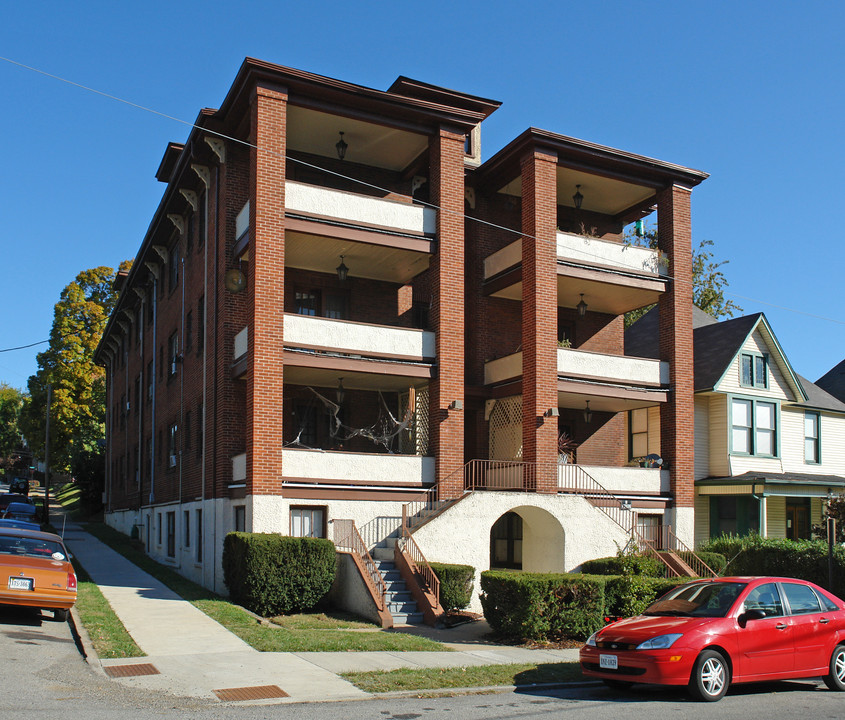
x=339, y=312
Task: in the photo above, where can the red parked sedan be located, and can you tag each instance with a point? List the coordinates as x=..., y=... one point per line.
x=708, y=634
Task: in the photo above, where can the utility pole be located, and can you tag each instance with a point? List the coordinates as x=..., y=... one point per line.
x=46, y=509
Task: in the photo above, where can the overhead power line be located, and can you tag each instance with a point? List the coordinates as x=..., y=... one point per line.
x=246, y=143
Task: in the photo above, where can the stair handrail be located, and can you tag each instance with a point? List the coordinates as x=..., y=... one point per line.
x=697, y=565
x=348, y=538
x=416, y=560
x=379, y=529
x=587, y=486
x=646, y=547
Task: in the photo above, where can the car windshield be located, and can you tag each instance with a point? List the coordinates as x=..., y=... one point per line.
x=31, y=547
x=705, y=599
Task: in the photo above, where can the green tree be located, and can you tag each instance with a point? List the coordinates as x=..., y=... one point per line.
x=78, y=408
x=836, y=510
x=12, y=402
x=708, y=279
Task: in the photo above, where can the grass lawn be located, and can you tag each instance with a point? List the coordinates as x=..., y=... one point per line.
x=68, y=496
x=300, y=633
x=462, y=677
x=107, y=633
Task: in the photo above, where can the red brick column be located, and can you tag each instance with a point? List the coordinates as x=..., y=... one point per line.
x=675, y=305
x=266, y=291
x=539, y=316
x=447, y=310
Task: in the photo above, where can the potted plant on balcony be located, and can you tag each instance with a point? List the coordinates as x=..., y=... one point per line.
x=566, y=448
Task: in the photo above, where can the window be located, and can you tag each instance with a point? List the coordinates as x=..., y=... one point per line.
x=307, y=302
x=753, y=371
x=754, y=427
x=240, y=518
x=199, y=535
x=638, y=433
x=138, y=385
x=189, y=235
x=812, y=447
x=308, y=522
x=419, y=314
x=150, y=380
x=172, y=432
x=734, y=514
x=306, y=416
x=337, y=305
x=171, y=534
x=766, y=599
x=199, y=430
x=802, y=600
x=159, y=528
x=189, y=330
x=136, y=454
x=160, y=363
x=186, y=520
x=173, y=266
x=173, y=353
x=203, y=229
x=200, y=324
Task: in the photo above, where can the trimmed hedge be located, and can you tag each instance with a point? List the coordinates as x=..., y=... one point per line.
x=275, y=575
x=620, y=564
x=542, y=606
x=456, y=584
x=644, y=565
x=803, y=559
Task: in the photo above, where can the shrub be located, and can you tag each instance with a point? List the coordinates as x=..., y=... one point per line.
x=636, y=564
x=456, y=585
x=275, y=575
x=541, y=606
x=803, y=559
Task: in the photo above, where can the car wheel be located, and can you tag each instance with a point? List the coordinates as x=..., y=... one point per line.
x=617, y=684
x=836, y=679
x=710, y=677
x=60, y=615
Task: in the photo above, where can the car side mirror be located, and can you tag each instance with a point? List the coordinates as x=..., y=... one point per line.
x=750, y=615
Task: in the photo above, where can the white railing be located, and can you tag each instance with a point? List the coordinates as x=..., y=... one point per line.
x=594, y=251
x=360, y=209
x=359, y=338
x=373, y=469
x=241, y=343
x=582, y=363
x=591, y=251
x=630, y=370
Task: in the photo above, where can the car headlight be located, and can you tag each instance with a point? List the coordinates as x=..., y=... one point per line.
x=592, y=639
x=661, y=642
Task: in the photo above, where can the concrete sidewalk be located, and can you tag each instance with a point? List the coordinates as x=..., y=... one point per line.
x=189, y=654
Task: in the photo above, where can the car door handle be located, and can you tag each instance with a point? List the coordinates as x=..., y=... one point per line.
x=781, y=626
x=824, y=621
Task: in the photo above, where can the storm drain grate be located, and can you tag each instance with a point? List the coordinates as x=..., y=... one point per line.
x=118, y=671
x=257, y=692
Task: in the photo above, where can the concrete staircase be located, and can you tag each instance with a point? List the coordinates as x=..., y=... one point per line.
x=399, y=600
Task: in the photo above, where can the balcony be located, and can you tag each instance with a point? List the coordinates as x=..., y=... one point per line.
x=359, y=338
x=614, y=278
x=357, y=468
x=361, y=210
x=581, y=364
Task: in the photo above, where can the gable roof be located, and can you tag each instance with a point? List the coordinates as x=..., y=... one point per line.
x=819, y=399
x=833, y=381
x=715, y=345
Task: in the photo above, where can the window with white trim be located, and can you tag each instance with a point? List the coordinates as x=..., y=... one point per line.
x=753, y=370
x=308, y=521
x=812, y=437
x=753, y=427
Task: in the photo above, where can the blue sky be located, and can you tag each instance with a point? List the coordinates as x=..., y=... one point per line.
x=749, y=92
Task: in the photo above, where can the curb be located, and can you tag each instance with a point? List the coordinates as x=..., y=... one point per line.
x=483, y=690
x=83, y=641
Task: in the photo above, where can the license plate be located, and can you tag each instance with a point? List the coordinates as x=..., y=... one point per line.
x=609, y=662
x=19, y=583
